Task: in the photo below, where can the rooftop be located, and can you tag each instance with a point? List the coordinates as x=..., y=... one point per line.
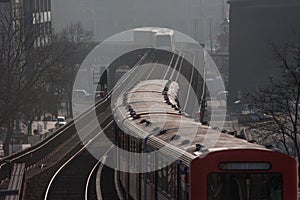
x=162, y=119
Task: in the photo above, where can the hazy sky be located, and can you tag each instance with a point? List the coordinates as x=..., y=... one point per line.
x=108, y=17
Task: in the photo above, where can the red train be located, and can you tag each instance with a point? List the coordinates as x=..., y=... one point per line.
x=149, y=121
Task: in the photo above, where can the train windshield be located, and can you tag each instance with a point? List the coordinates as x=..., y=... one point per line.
x=236, y=186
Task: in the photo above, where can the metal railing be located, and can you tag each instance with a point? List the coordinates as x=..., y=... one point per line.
x=31, y=156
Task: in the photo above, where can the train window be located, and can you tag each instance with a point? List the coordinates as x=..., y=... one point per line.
x=151, y=165
x=159, y=174
x=245, y=166
x=244, y=186
x=172, y=180
x=162, y=176
x=131, y=149
x=184, y=183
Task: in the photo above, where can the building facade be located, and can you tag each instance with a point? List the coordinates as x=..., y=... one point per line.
x=31, y=17
x=37, y=19
x=254, y=26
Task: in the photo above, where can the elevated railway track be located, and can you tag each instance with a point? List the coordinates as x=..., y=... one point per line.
x=53, y=165
x=62, y=184
x=67, y=182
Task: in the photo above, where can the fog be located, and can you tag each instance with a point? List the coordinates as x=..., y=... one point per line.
x=196, y=18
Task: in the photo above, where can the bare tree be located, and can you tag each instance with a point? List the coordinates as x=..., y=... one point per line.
x=280, y=100
x=27, y=59
x=80, y=43
x=75, y=33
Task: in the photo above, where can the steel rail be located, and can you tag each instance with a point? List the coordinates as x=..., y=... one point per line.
x=77, y=153
x=70, y=159
x=35, y=151
x=176, y=63
x=168, y=68
x=92, y=171
x=190, y=85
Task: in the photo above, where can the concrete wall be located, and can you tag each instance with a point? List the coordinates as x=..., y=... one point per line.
x=254, y=25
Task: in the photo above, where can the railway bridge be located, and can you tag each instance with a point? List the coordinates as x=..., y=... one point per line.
x=63, y=165
x=69, y=165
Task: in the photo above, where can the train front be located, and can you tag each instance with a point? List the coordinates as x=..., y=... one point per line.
x=243, y=174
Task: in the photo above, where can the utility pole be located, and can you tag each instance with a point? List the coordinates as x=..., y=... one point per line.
x=223, y=10
x=201, y=30
x=210, y=36
x=195, y=33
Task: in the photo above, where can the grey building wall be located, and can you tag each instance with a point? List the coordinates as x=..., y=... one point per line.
x=108, y=17
x=254, y=25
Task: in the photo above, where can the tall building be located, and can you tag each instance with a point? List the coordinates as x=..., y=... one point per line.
x=33, y=17
x=12, y=10
x=254, y=26
x=37, y=18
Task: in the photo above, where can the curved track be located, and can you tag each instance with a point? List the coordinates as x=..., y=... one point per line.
x=91, y=183
x=69, y=181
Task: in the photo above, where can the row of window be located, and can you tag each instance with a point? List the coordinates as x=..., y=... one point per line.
x=172, y=181
x=41, y=17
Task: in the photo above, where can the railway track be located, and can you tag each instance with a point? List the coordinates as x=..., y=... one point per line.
x=107, y=181
x=53, y=146
x=68, y=181
x=92, y=181
x=37, y=184
x=100, y=184
x=68, y=144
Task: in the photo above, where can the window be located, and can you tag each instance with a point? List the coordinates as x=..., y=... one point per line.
x=244, y=186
